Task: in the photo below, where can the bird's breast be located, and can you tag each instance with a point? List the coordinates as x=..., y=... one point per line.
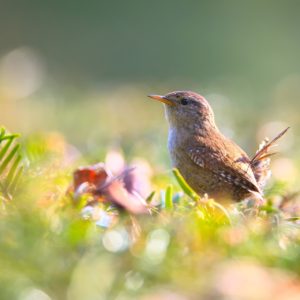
x=196, y=176
x=178, y=144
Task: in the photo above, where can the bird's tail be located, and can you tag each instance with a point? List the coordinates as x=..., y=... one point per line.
x=260, y=163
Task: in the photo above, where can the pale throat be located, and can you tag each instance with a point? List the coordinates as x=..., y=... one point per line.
x=195, y=126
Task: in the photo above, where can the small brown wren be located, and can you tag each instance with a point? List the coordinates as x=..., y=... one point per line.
x=210, y=163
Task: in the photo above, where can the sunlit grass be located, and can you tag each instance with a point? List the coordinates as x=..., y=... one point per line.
x=64, y=247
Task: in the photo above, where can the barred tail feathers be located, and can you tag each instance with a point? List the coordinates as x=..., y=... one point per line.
x=260, y=163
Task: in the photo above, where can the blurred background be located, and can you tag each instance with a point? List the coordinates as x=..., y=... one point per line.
x=80, y=72
x=85, y=69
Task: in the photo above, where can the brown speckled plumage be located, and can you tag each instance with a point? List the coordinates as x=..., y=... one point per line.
x=211, y=163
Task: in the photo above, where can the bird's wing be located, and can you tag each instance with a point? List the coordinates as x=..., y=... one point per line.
x=229, y=166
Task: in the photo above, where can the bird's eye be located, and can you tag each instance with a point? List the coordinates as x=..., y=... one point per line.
x=184, y=101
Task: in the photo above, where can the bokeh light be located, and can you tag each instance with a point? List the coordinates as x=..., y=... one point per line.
x=74, y=80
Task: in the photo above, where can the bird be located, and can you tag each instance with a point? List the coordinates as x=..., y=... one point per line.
x=212, y=164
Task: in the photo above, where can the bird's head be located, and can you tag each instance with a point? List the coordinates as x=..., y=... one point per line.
x=185, y=108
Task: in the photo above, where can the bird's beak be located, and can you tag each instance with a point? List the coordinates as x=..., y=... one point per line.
x=162, y=99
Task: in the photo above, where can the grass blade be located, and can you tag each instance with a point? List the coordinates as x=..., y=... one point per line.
x=9, y=158
x=5, y=148
x=16, y=179
x=2, y=133
x=220, y=208
x=169, y=198
x=150, y=197
x=10, y=161
x=12, y=171
x=184, y=186
x=293, y=219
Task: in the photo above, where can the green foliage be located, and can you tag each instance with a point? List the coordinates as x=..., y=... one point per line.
x=169, y=198
x=10, y=163
x=206, y=204
x=54, y=246
x=185, y=187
